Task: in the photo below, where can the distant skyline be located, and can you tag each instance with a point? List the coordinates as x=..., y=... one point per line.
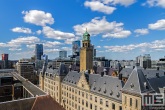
x=119, y=29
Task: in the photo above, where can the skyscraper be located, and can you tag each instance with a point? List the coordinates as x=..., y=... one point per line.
x=5, y=59
x=38, y=51
x=144, y=61
x=76, y=47
x=63, y=54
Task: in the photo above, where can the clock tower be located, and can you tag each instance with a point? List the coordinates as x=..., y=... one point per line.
x=86, y=53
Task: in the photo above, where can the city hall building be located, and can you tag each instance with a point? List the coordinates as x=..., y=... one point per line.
x=86, y=90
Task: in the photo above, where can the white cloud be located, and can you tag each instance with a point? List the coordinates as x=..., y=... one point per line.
x=155, y=45
x=102, y=26
x=51, y=50
x=22, y=30
x=98, y=6
x=121, y=2
x=52, y=44
x=66, y=48
x=154, y=3
x=159, y=25
x=15, y=49
x=38, y=17
x=70, y=40
x=141, y=31
x=59, y=35
x=107, y=6
x=24, y=40
x=39, y=32
x=98, y=46
x=15, y=44
x=120, y=34
x=55, y=34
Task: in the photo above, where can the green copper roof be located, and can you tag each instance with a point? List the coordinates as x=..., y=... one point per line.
x=86, y=36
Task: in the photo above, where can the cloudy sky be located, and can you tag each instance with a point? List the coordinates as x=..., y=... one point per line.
x=120, y=29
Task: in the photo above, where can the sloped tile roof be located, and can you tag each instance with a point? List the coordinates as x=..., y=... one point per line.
x=46, y=103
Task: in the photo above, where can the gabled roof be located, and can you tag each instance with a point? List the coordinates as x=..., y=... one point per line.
x=106, y=85
x=72, y=78
x=61, y=71
x=126, y=72
x=157, y=83
x=46, y=103
x=137, y=82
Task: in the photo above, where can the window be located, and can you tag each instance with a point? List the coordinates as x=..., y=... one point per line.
x=75, y=98
x=75, y=106
x=79, y=100
x=120, y=108
x=136, y=103
x=95, y=107
x=82, y=94
x=125, y=100
x=86, y=104
x=95, y=99
x=90, y=106
x=113, y=106
x=82, y=102
x=101, y=108
x=130, y=101
x=91, y=97
x=107, y=105
x=101, y=101
x=87, y=95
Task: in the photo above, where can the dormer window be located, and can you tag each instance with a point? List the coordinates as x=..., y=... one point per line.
x=145, y=85
x=111, y=92
x=105, y=91
x=99, y=89
x=118, y=95
x=132, y=85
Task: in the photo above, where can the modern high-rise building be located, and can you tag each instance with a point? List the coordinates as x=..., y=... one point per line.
x=38, y=51
x=76, y=45
x=63, y=54
x=5, y=59
x=26, y=70
x=144, y=61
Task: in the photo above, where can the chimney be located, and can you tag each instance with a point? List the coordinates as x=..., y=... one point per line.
x=120, y=76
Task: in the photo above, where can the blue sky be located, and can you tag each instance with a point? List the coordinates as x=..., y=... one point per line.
x=120, y=29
